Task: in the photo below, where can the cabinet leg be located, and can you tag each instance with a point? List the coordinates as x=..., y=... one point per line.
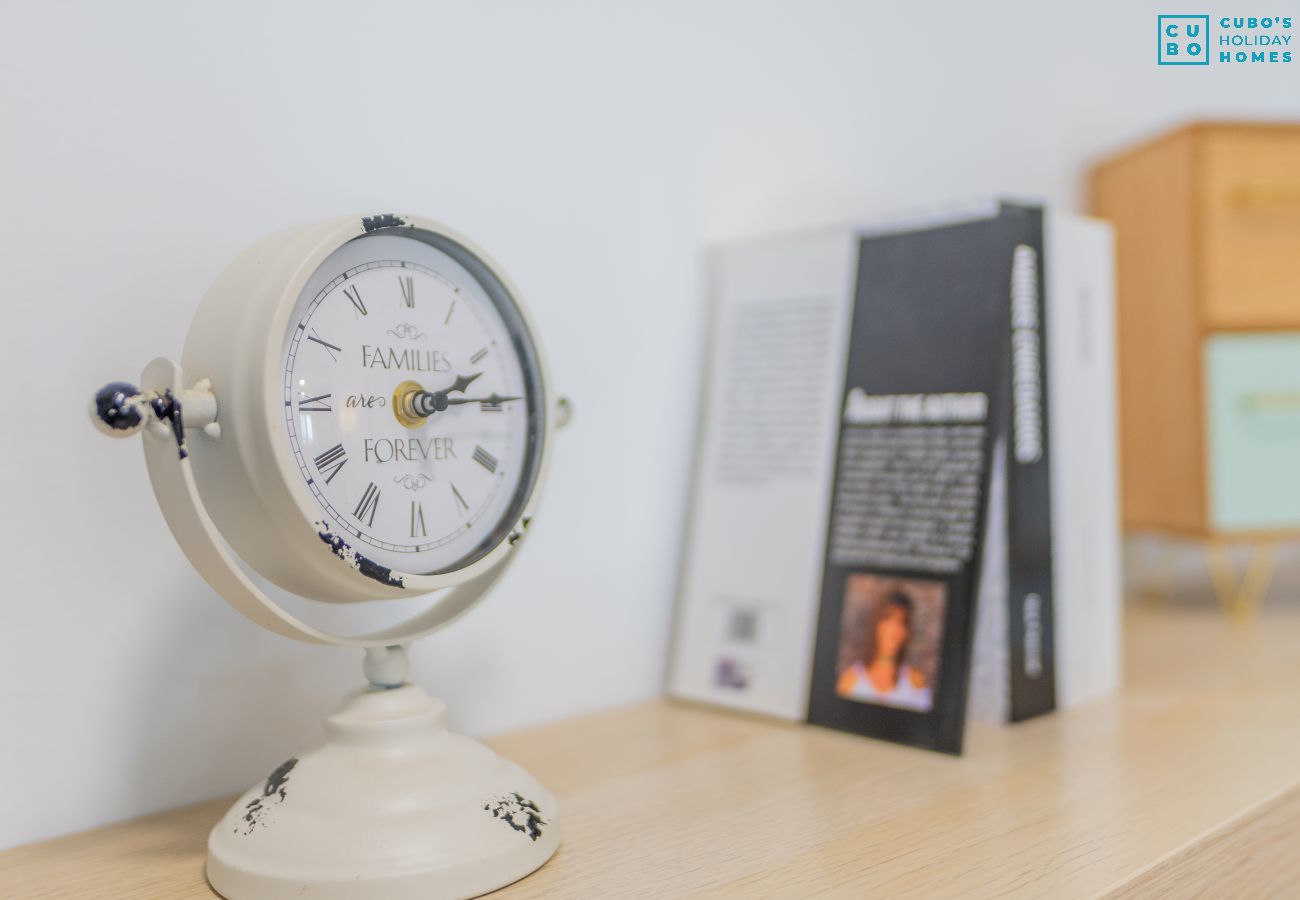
x=1240, y=596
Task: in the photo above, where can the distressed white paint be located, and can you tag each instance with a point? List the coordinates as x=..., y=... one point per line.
x=392, y=806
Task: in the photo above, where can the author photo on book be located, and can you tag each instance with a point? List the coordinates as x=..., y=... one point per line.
x=890, y=635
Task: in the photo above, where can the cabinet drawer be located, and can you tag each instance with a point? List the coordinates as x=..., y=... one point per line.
x=1253, y=418
x=1249, y=195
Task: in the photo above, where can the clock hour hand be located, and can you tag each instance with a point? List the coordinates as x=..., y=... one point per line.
x=491, y=398
x=461, y=382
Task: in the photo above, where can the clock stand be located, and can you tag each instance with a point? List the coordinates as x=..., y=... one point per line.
x=392, y=801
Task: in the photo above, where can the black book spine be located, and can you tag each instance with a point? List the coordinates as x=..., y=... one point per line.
x=1029, y=502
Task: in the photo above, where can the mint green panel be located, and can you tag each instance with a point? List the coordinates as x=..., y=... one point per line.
x=1253, y=395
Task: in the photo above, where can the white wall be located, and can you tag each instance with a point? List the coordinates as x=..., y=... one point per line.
x=590, y=147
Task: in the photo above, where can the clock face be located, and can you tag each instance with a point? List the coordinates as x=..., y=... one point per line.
x=412, y=401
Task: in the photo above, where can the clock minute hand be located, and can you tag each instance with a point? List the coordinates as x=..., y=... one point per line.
x=492, y=398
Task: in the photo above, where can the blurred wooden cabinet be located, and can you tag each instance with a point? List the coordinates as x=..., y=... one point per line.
x=1207, y=222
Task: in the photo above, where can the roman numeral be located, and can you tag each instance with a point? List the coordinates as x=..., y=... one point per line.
x=490, y=406
x=417, y=520
x=315, y=404
x=365, y=511
x=408, y=290
x=354, y=295
x=479, y=355
x=485, y=459
x=329, y=348
x=451, y=309
x=331, y=461
x=460, y=501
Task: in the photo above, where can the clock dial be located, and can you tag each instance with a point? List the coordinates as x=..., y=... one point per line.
x=412, y=402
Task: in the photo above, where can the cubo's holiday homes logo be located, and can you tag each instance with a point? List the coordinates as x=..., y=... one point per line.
x=1183, y=40
x=1186, y=40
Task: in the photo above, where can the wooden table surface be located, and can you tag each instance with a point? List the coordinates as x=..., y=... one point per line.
x=1188, y=781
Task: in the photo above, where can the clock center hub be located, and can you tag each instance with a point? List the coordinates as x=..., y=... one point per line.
x=412, y=404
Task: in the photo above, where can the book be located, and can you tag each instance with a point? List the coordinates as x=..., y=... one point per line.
x=903, y=507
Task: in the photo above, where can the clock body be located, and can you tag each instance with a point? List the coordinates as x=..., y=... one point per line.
x=327, y=479
x=361, y=412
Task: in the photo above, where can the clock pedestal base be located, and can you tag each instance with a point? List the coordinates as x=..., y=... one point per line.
x=392, y=807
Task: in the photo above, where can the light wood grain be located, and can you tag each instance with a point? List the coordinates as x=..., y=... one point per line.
x=1186, y=778
x=1148, y=196
x=1254, y=854
x=1249, y=214
x=1207, y=225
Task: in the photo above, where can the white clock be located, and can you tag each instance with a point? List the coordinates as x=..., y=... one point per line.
x=362, y=413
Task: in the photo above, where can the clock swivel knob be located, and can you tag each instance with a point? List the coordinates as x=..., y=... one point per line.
x=120, y=409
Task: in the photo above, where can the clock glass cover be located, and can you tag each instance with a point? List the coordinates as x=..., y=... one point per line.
x=412, y=401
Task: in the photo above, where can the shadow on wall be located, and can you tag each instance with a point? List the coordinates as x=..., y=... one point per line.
x=199, y=731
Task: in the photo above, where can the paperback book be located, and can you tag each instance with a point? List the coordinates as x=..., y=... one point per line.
x=904, y=510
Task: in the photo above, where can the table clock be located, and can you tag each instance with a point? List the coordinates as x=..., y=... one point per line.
x=362, y=412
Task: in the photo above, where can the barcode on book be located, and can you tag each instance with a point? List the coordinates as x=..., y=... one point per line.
x=742, y=626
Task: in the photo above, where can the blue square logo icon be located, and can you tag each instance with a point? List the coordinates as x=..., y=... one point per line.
x=1183, y=40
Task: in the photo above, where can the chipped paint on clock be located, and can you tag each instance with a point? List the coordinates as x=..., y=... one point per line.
x=519, y=813
x=274, y=792
x=383, y=220
x=363, y=564
x=168, y=406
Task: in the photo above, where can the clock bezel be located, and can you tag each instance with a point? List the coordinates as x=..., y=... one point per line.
x=518, y=338
x=249, y=478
